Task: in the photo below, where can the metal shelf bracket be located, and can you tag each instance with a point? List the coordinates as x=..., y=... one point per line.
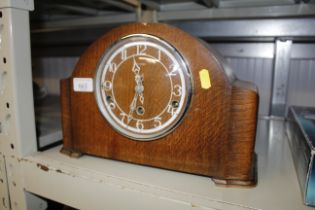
x=17, y=123
x=280, y=78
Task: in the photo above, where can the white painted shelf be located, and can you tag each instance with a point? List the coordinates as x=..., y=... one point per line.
x=97, y=183
x=94, y=183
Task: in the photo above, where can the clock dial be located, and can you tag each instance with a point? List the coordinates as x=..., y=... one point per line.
x=143, y=87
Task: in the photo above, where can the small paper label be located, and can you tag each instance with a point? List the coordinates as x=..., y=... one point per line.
x=83, y=84
x=205, y=79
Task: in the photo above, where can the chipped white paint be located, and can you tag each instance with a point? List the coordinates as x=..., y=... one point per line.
x=4, y=193
x=110, y=182
x=97, y=183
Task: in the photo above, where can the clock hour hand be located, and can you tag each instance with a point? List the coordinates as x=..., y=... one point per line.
x=139, y=87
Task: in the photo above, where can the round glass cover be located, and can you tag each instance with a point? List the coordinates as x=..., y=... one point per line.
x=143, y=87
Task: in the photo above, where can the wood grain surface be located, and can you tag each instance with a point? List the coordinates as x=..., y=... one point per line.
x=215, y=139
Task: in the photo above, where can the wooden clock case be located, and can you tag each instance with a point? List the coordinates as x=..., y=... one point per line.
x=216, y=137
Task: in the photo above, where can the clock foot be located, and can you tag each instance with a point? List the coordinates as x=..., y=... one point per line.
x=234, y=183
x=252, y=182
x=71, y=153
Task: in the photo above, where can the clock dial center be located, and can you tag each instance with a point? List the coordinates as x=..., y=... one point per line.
x=139, y=89
x=151, y=88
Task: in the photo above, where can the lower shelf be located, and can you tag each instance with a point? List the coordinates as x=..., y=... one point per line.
x=96, y=183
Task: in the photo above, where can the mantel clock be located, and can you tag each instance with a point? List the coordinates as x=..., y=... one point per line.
x=152, y=94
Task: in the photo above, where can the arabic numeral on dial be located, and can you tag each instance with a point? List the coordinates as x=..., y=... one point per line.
x=123, y=54
x=171, y=109
x=107, y=85
x=125, y=118
x=177, y=90
x=112, y=105
x=159, y=55
x=111, y=67
x=139, y=125
x=141, y=49
x=173, y=69
x=157, y=122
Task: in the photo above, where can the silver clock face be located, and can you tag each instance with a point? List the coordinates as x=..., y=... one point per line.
x=143, y=87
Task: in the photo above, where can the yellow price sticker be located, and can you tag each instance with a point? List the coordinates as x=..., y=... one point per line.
x=205, y=79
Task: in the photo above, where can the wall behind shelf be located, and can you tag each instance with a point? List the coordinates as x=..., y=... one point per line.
x=250, y=61
x=47, y=71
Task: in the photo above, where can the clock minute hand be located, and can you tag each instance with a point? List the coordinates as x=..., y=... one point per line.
x=138, y=78
x=132, y=106
x=139, y=87
x=133, y=103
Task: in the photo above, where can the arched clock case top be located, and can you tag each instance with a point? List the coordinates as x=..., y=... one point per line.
x=139, y=108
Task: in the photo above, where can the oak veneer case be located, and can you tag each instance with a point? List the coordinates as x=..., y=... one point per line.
x=215, y=136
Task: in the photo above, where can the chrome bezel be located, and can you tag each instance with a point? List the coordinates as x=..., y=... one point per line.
x=102, y=106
